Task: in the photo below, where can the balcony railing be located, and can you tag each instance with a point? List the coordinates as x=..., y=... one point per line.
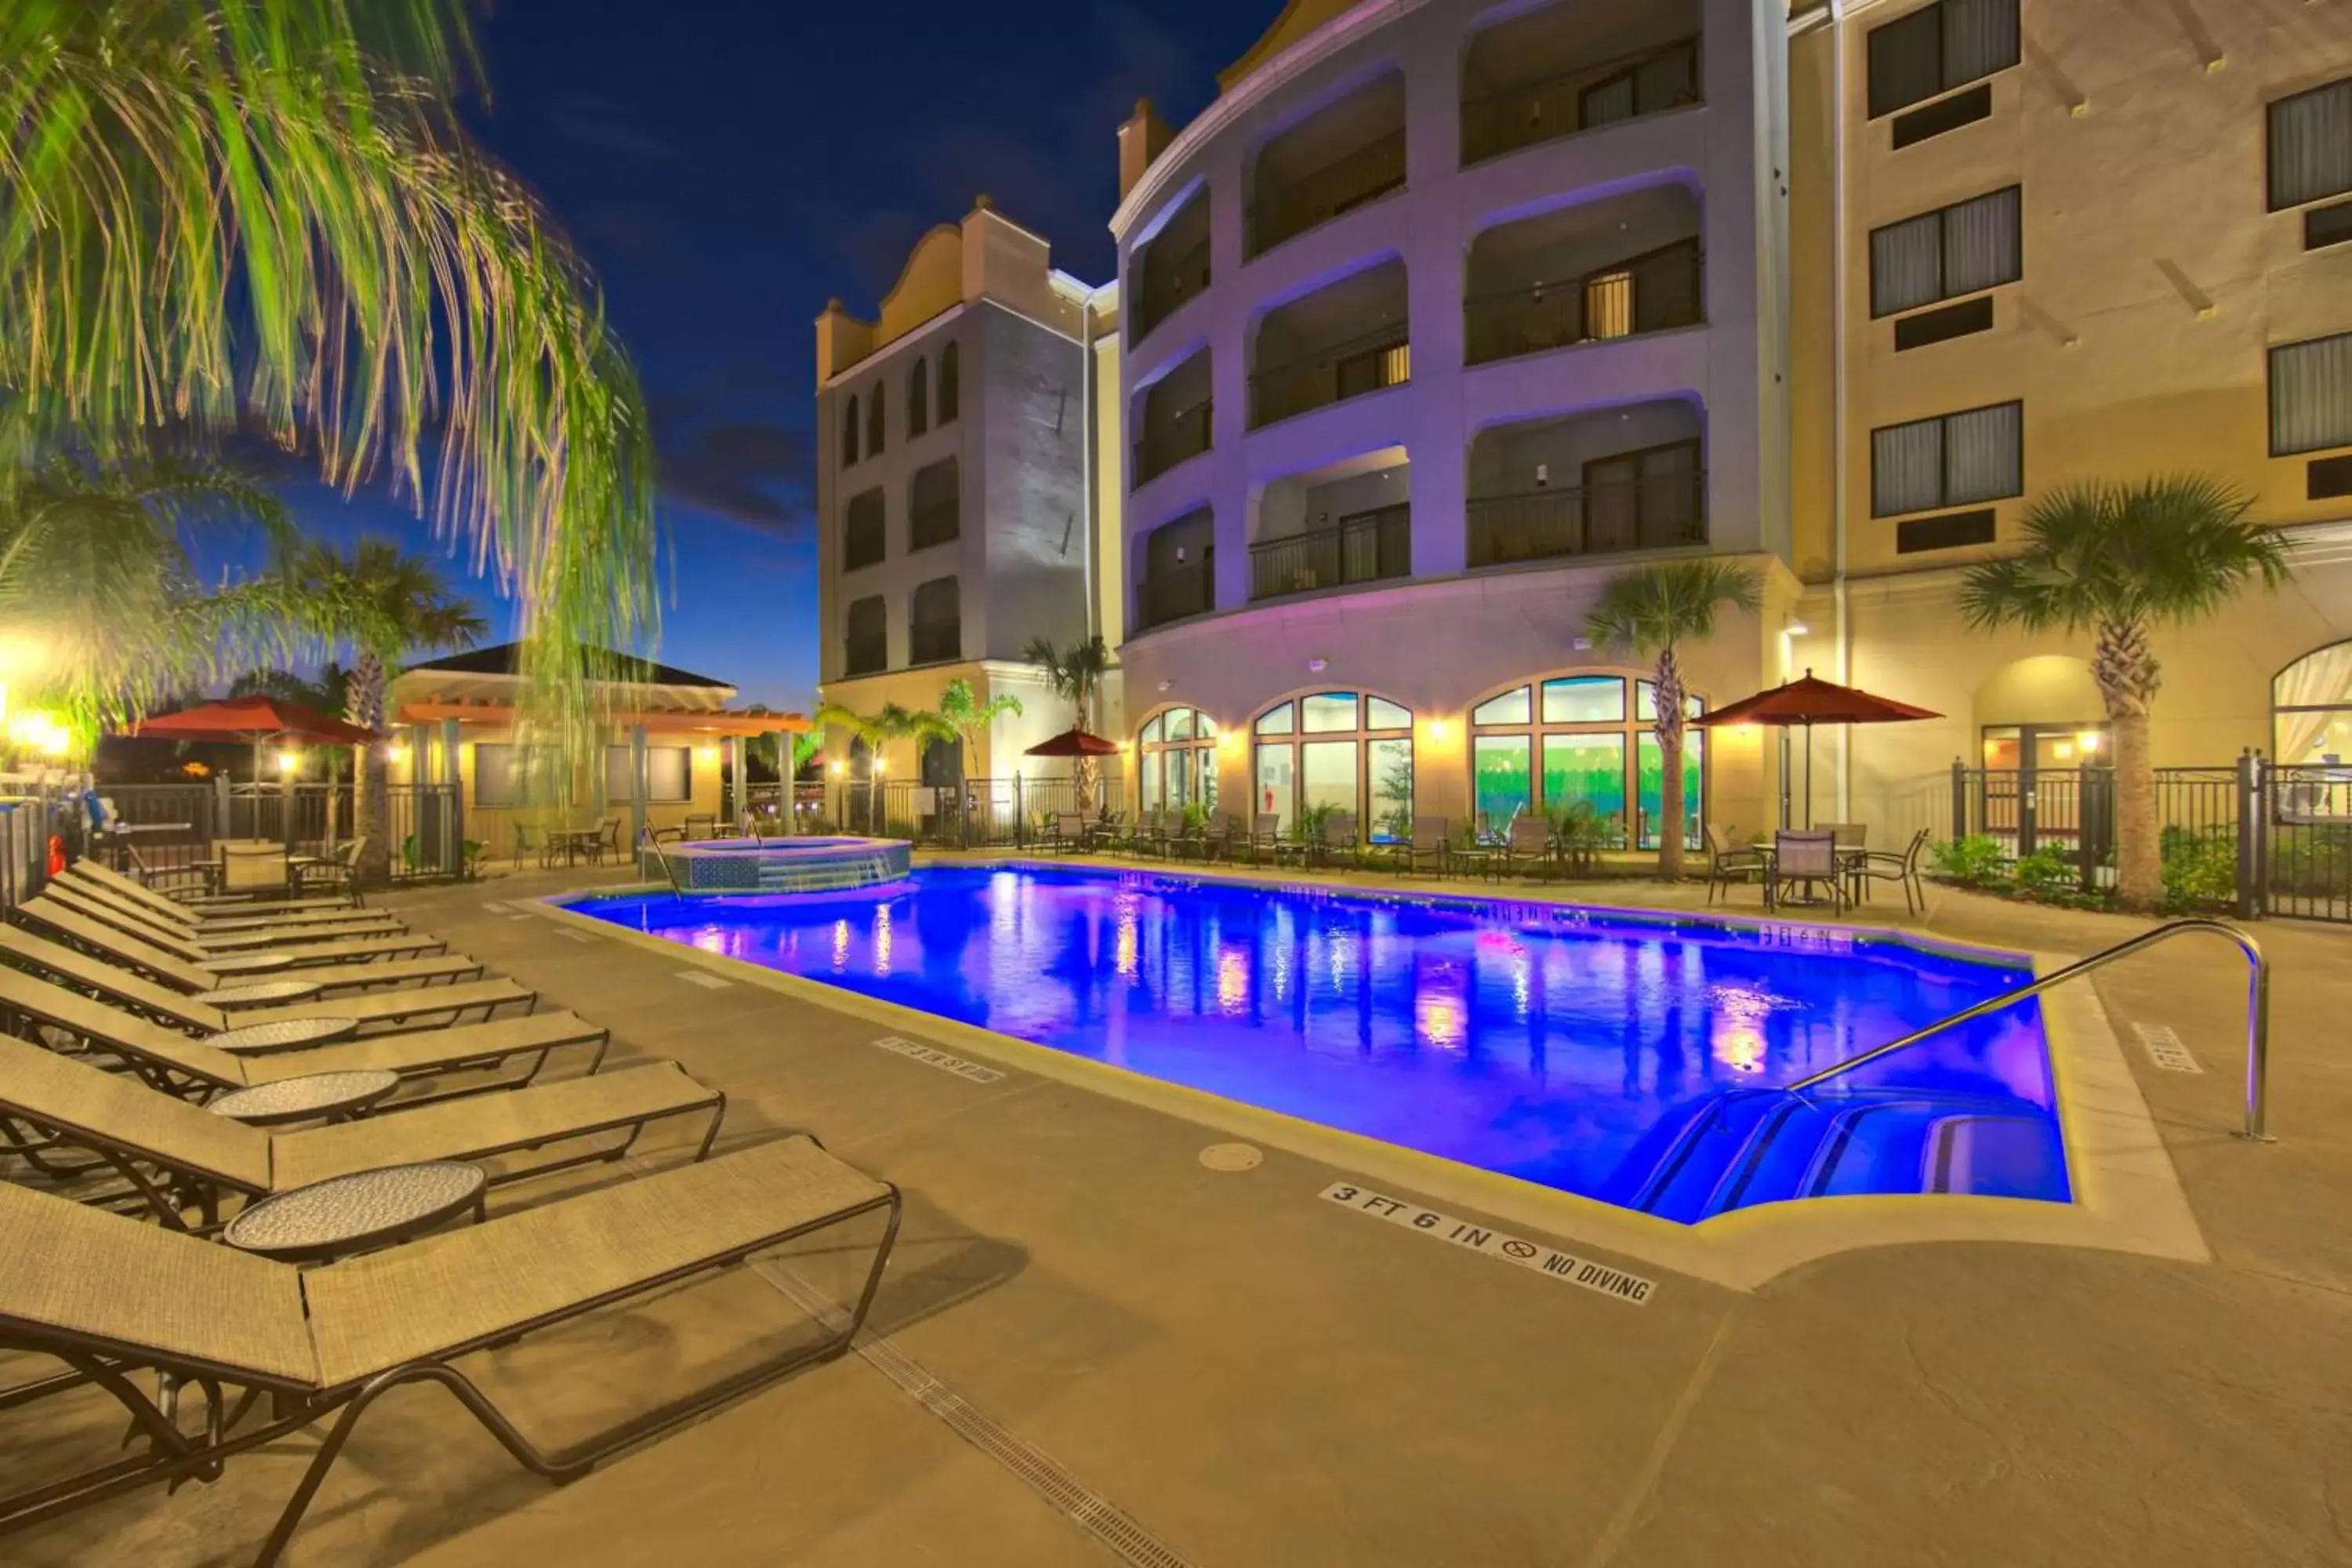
x=935, y=522
x=1167, y=442
x=861, y=543
x=865, y=655
x=1377, y=359
x=1607, y=518
x=1165, y=285
x=1173, y=594
x=1288, y=208
x=1361, y=549
x=934, y=642
x=1599, y=94
x=1647, y=293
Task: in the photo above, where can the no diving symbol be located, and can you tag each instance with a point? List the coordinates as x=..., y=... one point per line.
x=1519, y=1248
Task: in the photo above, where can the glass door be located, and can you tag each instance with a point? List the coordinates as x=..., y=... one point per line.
x=2042, y=785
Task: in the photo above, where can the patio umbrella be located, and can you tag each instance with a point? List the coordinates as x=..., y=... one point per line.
x=1809, y=702
x=255, y=719
x=1074, y=743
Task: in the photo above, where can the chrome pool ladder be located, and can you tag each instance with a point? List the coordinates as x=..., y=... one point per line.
x=646, y=838
x=2257, y=1014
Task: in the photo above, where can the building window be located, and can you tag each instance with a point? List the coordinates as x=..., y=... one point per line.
x=1337, y=752
x=918, y=399
x=866, y=650
x=1954, y=460
x=1938, y=47
x=935, y=624
x=670, y=775
x=2310, y=718
x=2311, y=395
x=1176, y=760
x=849, y=433
x=934, y=505
x=951, y=359
x=873, y=422
x=1570, y=744
x=2310, y=149
x=1946, y=253
x=862, y=531
x=501, y=773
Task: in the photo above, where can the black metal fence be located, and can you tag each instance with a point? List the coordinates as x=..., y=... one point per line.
x=973, y=814
x=174, y=827
x=1364, y=548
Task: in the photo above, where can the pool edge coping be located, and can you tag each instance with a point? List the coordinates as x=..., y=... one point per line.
x=2126, y=1195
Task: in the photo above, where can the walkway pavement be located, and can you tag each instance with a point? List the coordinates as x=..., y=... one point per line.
x=1246, y=1375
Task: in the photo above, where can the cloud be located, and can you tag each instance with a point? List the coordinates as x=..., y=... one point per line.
x=749, y=472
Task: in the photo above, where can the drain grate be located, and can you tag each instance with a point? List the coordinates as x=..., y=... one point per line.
x=1040, y=1472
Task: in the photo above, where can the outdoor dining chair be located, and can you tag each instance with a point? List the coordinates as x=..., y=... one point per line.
x=1339, y=837
x=1800, y=859
x=1729, y=862
x=1430, y=842
x=1902, y=868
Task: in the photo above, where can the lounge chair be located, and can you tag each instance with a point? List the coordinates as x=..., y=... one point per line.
x=1429, y=842
x=141, y=893
x=113, y=1295
x=322, y=947
x=1529, y=842
x=414, y=1007
x=177, y=1156
x=169, y=1061
x=120, y=947
x=302, y=925
x=1265, y=836
x=1728, y=863
x=1339, y=837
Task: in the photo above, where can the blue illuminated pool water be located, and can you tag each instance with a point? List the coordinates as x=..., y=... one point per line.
x=1629, y=1059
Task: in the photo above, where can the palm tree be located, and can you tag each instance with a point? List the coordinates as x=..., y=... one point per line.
x=2119, y=560
x=891, y=721
x=1649, y=612
x=268, y=215
x=325, y=694
x=1075, y=674
x=970, y=718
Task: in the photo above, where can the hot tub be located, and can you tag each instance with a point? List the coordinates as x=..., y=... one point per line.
x=719, y=865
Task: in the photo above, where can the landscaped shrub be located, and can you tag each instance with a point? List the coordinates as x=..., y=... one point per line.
x=1975, y=861
x=1582, y=830
x=2045, y=876
x=2201, y=870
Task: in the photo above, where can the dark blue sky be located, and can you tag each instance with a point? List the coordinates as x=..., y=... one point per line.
x=728, y=164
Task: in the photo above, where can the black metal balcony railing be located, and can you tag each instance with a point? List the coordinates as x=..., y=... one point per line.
x=1365, y=548
x=861, y=543
x=1167, y=284
x=934, y=642
x=1624, y=87
x=1174, y=593
x=1647, y=293
x=1167, y=442
x=1368, y=363
x=1288, y=208
x=1606, y=518
x=934, y=523
x=865, y=655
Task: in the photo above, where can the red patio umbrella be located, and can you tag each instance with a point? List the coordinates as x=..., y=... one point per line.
x=1074, y=743
x=255, y=719
x=1809, y=702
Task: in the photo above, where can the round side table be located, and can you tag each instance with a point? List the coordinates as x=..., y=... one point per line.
x=261, y=994
x=319, y=1096
x=284, y=1034
x=352, y=1213
x=247, y=964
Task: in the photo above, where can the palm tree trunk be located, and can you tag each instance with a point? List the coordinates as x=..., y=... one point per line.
x=373, y=806
x=1668, y=726
x=2127, y=671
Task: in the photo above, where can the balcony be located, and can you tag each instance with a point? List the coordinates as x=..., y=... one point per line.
x=1653, y=292
x=1185, y=435
x=1604, y=517
x=1576, y=66
x=865, y=655
x=1174, y=593
x=934, y=642
x=1170, y=420
x=1344, y=156
x=1317, y=197
x=1364, y=548
x=1172, y=266
x=1347, y=339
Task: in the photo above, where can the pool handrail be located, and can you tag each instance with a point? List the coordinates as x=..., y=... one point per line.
x=2257, y=1014
x=645, y=836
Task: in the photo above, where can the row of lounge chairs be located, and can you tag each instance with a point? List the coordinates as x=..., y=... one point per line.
x=116, y=1185
x=1528, y=844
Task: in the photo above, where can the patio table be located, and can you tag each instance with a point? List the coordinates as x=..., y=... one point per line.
x=248, y=963
x=353, y=1214
x=261, y=994
x=318, y=1097
x=284, y=1034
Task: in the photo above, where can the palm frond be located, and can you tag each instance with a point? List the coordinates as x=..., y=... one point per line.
x=1650, y=609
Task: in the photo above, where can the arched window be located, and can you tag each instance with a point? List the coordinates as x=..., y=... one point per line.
x=1336, y=751
x=1573, y=743
x=918, y=399
x=1176, y=760
x=2311, y=710
x=849, y=432
x=949, y=360
x=874, y=430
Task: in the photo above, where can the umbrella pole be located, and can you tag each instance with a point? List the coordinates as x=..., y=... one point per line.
x=1809, y=773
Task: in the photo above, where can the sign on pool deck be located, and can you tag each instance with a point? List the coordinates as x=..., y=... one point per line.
x=1546, y=1260
x=2166, y=1049
x=931, y=1056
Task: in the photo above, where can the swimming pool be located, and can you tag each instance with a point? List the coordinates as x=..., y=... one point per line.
x=1632, y=1059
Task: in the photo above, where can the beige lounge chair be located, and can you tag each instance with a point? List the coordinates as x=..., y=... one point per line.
x=413, y=1008
x=170, y=1061
x=89, y=895
x=178, y=1156
x=98, y=881
x=110, y=943
x=321, y=947
x=112, y=1294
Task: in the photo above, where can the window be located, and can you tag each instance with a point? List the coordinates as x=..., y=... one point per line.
x=2310, y=717
x=2324, y=227
x=934, y=505
x=2311, y=395
x=670, y=775
x=1337, y=752
x=1950, y=532
x=867, y=643
x=1938, y=47
x=501, y=775
x=849, y=432
x=2310, y=145
x=1176, y=761
x=1954, y=460
x=873, y=422
x=1945, y=254
x=918, y=399
x=862, y=531
x=935, y=629
x=1572, y=742
x=949, y=360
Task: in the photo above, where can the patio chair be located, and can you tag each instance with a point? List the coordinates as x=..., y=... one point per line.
x=171, y=1061
x=1264, y=834
x=1150, y=835
x=336, y=873
x=1802, y=859
x=1728, y=862
x=1529, y=842
x=1430, y=842
x=330, y=945
x=1338, y=837
x=177, y=1156
x=1903, y=869
x=1103, y=831
x=252, y=869
x=700, y=824
x=91, y=881
x=148, y=896
x=1853, y=841
x=121, y=948
x=326, y=1342
x=1069, y=835
x=414, y=1007
x=608, y=841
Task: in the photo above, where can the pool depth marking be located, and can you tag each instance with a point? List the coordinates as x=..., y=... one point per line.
x=931, y=1056
x=1550, y=1261
x=2165, y=1047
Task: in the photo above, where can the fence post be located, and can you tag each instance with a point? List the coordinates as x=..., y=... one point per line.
x=1959, y=800
x=1020, y=816
x=2252, y=893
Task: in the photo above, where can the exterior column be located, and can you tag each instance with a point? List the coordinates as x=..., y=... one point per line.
x=639, y=785
x=734, y=797
x=787, y=820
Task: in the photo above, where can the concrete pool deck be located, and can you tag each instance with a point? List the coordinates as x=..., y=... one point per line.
x=1256, y=1376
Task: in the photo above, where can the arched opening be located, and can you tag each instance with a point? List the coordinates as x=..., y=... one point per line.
x=875, y=422
x=849, y=432
x=1176, y=760
x=918, y=398
x=1335, y=751
x=2310, y=709
x=950, y=361
x=1582, y=744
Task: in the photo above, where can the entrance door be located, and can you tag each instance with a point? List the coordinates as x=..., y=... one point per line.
x=2043, y=784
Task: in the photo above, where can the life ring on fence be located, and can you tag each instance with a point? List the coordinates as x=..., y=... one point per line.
x=56, y=853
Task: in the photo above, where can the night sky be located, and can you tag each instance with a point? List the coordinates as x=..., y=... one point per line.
x=726, y=165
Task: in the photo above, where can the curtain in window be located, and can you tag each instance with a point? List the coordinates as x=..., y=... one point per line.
x=1906, y=468
x=2311, y=395
x=1980, y=245
x=1979, y=39
x=2311, y=145
x=1982, y=455
x=873, y=422
x=1608, y=102
x=1906, y=61
x=1905, y=262
x=2320, y=682
x=1669, y=79
x=919, y=415
x=949, y=389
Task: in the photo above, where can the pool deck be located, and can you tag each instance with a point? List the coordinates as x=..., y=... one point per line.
x=1251, y=1375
